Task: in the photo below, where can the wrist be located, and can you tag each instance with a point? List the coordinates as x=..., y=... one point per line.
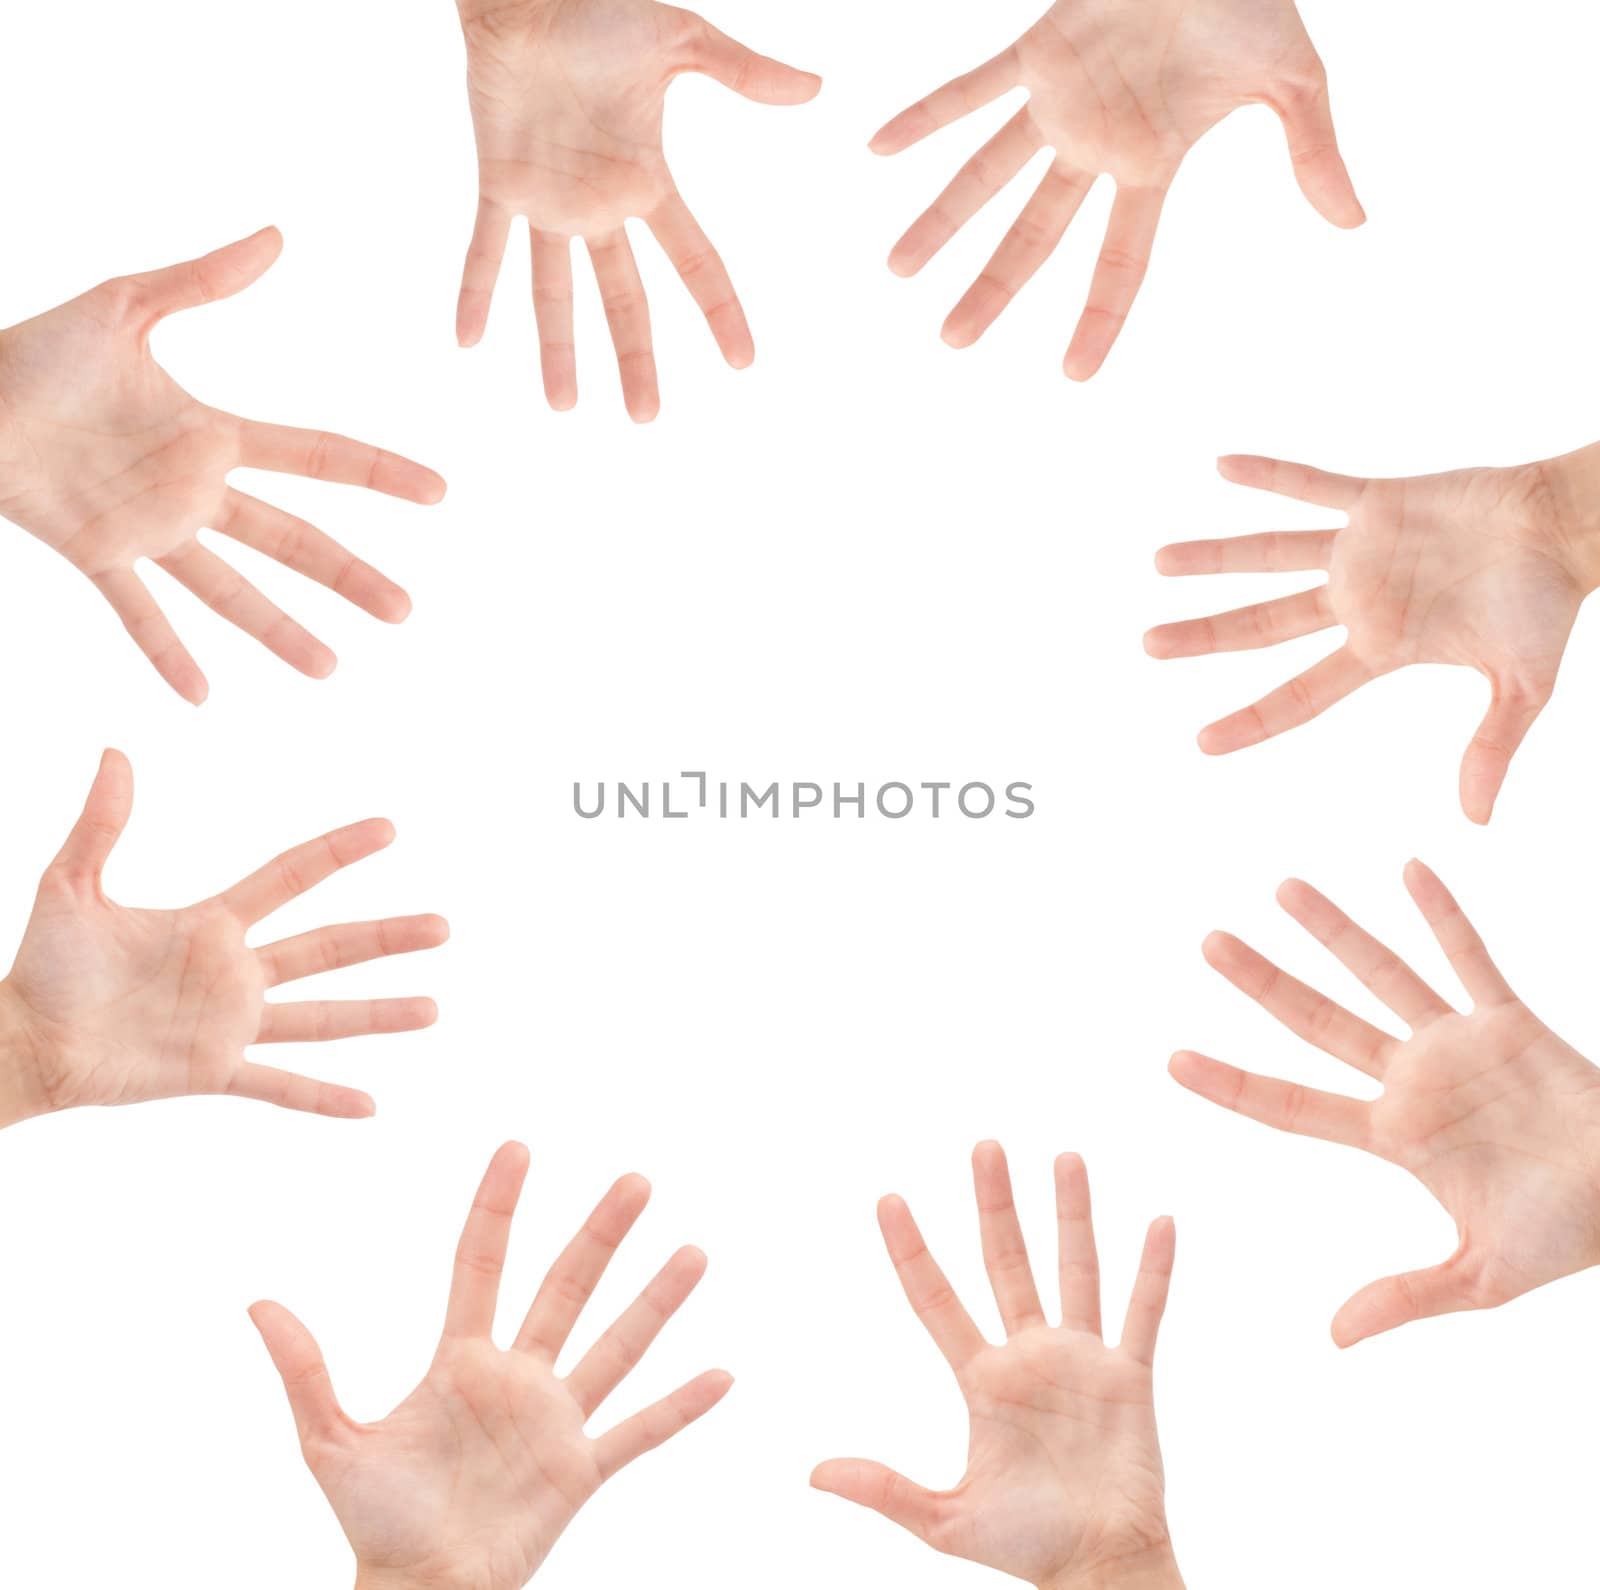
x=391, y=1579
x=1147, y=1567
x=10, y=447
x=22, y=1088
x=1570, y=486
x=495, y=16
x=432, y=1578
x=1586, y=1132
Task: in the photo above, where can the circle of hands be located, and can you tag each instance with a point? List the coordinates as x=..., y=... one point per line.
x=567, y=102
x=121, y=1006
x=1064, y=1477
x=1478, y=568
x=114, y=462
x=1127, y=91
x=469, y=1482
x=1488, y=1109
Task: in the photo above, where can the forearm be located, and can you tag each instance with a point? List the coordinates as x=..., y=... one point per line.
x=22, y=1091
x=1573, y=486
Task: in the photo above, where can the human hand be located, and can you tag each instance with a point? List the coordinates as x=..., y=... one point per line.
x=110, y=1005
x=1485, y=568
x=567, y=99
x=1489, y=1110
x=107, y=460
x=1064, y=1484
x=469, y=1482
x=1127, y=89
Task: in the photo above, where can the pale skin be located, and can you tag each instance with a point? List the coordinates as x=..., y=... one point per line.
x=567, y=102
x=108, y=461
x=1481, y=568
x=108, y=1004
x=1125, y=88
x=470, y=1481
x=1064, y=1486
x=1487, y=1108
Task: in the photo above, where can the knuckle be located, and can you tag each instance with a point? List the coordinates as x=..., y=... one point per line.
x=346, y=579
x=569, y=1291
x=1304, y=83
x=120, y=295
x=1123, y=262
x=998, y=290
x=478, y=1262
x=1009, y=1260
x=695, y=263
x=1321, y=1020
x=1479, y=1283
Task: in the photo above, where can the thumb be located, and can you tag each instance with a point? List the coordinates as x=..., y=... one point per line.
x=1314, y=150
x=757, y=77
x=298, y=1360
x=105, y=815
x=220, y=274
x=1400, y=1299
x=884, y=1491
x=1483, y=769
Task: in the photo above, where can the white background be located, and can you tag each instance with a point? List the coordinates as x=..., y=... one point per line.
x=866, y=558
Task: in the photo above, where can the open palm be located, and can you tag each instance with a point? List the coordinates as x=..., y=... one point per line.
x=567, y=104
x=1063, y=1469
x=1125, y=89
x=1489, y=1110
x=125, y=1005
x=1473, y=568
x=470, y=1481
x=107, y=460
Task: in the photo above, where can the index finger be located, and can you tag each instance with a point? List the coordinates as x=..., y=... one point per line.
x=1308, y=695
x=288, y=876
x=926, y=1288
x=706, y=277
x=1130, y=236
x=957, y=98
x=481, y=1253
x=323, y=455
